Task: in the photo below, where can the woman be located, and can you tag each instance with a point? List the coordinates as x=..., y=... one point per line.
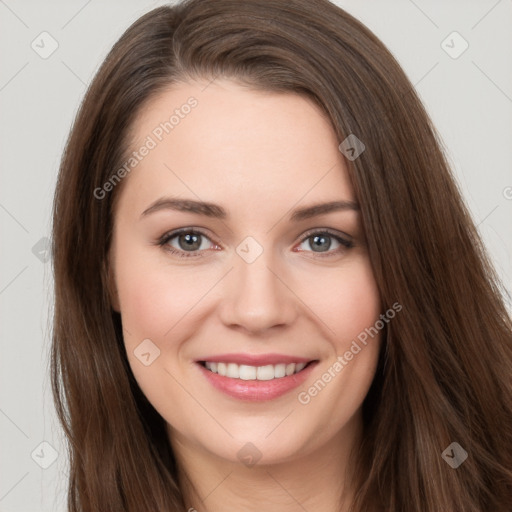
x=269, y=293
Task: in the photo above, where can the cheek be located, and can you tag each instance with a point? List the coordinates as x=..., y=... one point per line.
x=156, y=297
x=153, y=297
x=342, y=382
x=347, y=301
x=360, y=300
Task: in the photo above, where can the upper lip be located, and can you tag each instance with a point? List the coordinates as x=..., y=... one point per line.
x=255, y=359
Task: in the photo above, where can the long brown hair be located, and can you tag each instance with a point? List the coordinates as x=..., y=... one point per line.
x=445, y=368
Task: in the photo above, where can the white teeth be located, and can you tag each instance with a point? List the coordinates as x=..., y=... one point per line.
x=279, y=370
x=246, y=372
x=299, y=367
x=232, y=371
x=265, y=372
x=221, y=369
x=290, y=369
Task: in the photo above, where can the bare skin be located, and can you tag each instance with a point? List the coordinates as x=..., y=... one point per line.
x=260, y=156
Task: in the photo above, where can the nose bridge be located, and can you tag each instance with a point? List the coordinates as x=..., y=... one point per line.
x=256, y=298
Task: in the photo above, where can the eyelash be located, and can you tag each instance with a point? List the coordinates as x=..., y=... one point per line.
x=166, y=238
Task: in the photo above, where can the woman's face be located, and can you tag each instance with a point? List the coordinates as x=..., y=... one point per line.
x=255, y=281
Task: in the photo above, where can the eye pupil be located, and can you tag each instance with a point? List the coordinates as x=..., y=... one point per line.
x=321, y=242
x=189, y=241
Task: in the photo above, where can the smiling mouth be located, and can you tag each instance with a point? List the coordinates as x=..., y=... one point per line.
x=247, y=372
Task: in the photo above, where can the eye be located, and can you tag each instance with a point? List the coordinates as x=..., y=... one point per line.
x=325, y=243
x=186, y=242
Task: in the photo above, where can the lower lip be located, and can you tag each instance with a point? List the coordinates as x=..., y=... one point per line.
x=257, y=390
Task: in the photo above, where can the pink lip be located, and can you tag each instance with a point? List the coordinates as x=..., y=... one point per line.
x=254, y=359
x=257, y=390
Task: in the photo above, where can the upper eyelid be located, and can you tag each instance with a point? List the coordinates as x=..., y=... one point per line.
x=174, y=233
x=328, y=231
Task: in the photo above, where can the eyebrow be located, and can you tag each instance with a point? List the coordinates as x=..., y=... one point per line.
x=216, y=211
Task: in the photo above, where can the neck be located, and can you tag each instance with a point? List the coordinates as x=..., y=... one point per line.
x=318, y=480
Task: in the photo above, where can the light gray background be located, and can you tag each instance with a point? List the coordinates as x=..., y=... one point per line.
x=469, y=99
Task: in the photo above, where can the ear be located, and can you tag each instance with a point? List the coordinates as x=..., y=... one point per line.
x=110, y=283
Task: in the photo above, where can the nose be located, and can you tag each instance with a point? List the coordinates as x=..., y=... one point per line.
x=257, y=297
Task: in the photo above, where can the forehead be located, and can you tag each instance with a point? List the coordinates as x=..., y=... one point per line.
x=223, y=140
